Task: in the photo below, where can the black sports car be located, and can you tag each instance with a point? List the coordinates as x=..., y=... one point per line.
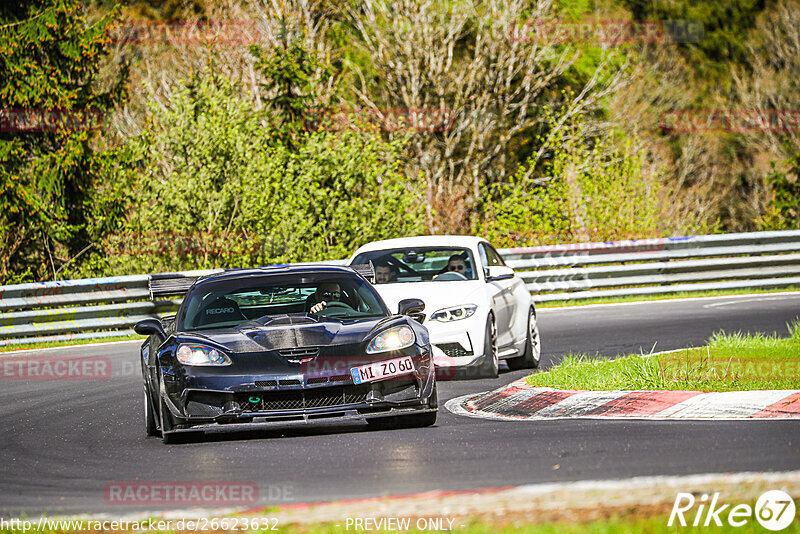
x=285, y=344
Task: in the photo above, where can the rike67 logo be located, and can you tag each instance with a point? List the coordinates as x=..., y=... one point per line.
x=774, y=510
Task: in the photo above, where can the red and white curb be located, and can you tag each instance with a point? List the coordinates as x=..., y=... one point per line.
x=519, y=401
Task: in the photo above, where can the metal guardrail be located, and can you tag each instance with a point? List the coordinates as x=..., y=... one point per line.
x=108, y=307
x=80, y=309
x=659, y=266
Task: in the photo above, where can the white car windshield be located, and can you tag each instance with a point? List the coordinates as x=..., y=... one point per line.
x=420, y=264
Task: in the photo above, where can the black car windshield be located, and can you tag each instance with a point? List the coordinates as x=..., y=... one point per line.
x=233, y=301
x=418, y=264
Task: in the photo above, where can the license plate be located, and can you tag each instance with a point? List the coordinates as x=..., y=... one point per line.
x=384, y=369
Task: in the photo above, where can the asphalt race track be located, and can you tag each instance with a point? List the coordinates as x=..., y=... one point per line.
x=64, y=441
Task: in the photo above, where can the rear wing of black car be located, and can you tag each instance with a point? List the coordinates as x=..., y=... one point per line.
x=366, y=270
x=172, y=284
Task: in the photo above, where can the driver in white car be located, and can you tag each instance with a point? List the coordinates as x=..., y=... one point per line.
x=456, y=264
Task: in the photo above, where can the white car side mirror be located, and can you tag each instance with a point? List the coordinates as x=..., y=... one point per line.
x=499, y=272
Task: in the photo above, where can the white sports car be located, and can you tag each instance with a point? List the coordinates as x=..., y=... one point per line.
x=476, y=309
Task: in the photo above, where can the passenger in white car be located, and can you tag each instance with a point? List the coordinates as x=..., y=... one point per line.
x=384, y=272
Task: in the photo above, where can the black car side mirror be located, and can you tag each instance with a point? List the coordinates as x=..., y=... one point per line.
x=410, y=306
x=149, y=327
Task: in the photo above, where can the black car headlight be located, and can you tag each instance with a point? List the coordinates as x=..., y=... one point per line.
x=395, y=338
x=191, y=354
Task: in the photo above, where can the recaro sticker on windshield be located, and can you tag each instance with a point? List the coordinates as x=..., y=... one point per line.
x=217, y=311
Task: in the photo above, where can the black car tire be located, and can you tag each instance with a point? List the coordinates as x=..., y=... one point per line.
x=149, y=417
x=417, y=420
x=533, y=347
x=490, y=364
x=168, y=436
x=414, y=420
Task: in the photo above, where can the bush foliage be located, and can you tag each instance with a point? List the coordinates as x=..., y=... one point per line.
x=224, y=153
x=590, y=190
x=212, y=189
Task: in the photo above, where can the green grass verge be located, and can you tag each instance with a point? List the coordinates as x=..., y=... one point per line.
x=68, y=343
x=672, y=296
x=730, y=362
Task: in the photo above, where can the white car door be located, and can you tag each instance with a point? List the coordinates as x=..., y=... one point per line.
x=502, y=296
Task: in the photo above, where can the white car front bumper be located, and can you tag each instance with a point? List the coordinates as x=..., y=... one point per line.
x=457, y=344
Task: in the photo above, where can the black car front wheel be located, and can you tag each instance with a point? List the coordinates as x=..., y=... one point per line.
x=168, y=434
x=417, y=420
x=414, y=420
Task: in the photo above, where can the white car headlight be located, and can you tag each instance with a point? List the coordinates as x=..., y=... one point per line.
x=456, y=313
x=201, y=355
x=395, y=338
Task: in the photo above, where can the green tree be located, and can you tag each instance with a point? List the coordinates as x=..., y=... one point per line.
x=783, y=209
x=721, y=44
x=212, y=192
x=591, y=189
x=50, y=61
x=292, y=74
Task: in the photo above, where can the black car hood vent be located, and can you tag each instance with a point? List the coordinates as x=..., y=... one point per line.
x=292, y=331
x=288, y=320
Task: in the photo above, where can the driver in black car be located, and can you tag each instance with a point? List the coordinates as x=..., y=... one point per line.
x=325, y=293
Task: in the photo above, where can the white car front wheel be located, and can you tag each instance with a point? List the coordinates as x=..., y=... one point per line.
x=490, y=364
x=533, y=347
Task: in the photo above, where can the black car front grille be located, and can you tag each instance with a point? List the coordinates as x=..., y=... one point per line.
x=290, y=382
x=352, y=397
x=317, y=380
x=299, y=353
x=302, y=399
x=266, y=383
x=342, y=378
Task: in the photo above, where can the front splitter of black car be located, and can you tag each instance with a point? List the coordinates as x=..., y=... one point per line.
x=351, y=416
x=394, y=398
